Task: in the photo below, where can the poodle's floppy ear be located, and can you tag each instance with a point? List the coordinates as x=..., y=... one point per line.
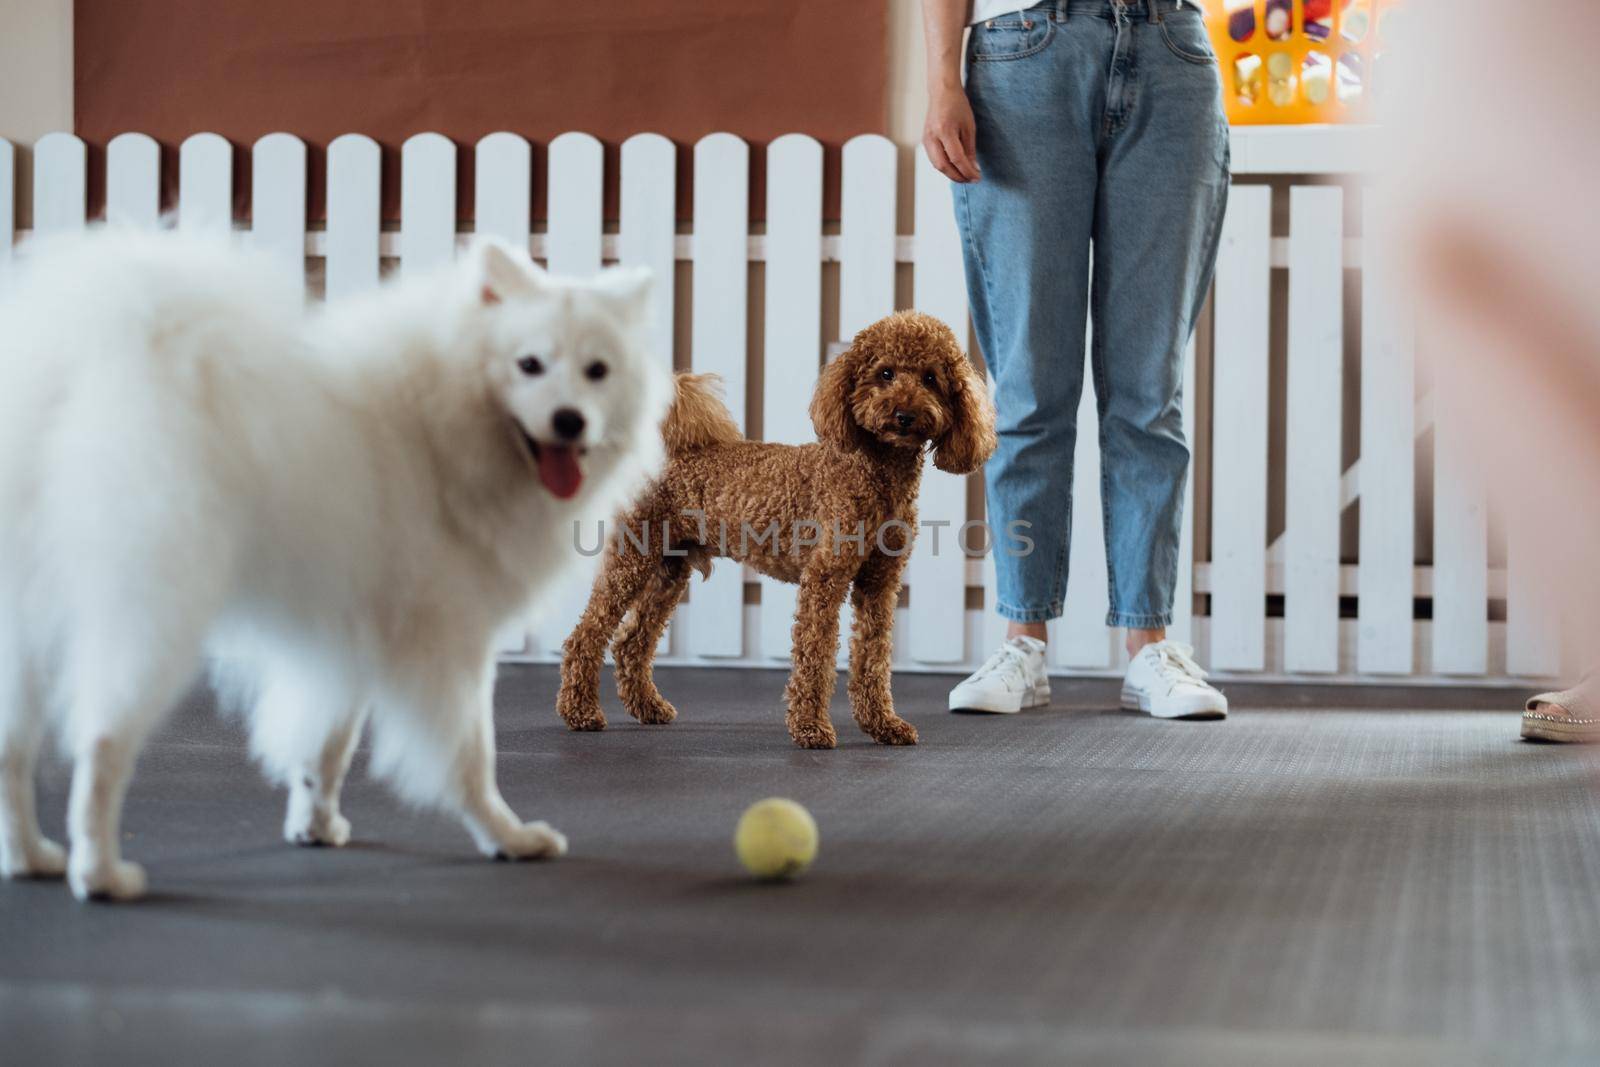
x=970, y=441
x=498, y=270
x=830, y=404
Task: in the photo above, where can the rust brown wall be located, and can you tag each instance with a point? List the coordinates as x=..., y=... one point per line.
x=465, y=68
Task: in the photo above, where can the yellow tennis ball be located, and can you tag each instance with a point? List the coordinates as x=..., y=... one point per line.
x=776, y=838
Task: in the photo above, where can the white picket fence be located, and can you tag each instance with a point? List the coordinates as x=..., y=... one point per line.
x=938, y=630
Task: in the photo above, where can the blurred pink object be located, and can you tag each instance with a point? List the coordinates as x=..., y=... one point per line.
x=1498, y=157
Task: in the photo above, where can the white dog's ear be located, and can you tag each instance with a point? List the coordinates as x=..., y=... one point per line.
x=628, y=288
x=498, y=270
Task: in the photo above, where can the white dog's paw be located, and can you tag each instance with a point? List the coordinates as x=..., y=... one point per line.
x=318, y=829
x=531, y=841
x=107, y=881
x=44, y=859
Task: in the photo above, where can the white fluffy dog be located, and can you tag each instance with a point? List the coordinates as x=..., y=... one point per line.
x=337, y=508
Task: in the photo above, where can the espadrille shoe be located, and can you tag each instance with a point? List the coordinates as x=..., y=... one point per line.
x=1570, y=716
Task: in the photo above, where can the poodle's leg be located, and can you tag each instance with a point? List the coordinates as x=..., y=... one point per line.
x=494, y=827
x=816, y=649
x=635, y=647
x=625, y=573
x=877, y=589
x=24, y=851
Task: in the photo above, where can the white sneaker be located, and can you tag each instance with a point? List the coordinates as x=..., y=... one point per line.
x=1013, y=679
x=1164, y=680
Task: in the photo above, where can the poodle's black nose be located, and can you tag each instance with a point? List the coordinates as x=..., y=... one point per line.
x=568, y=424
x=904, y=418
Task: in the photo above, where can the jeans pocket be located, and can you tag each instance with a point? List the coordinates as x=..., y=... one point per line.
x=1012, y=37
x=1185, y=33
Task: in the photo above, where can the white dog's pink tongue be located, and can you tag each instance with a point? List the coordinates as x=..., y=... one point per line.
x=558, y=470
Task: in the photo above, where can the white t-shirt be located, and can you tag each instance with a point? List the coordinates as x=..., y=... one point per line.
x=988, y=9
x=991, y=9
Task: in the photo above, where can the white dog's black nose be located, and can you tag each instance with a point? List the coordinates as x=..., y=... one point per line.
x=567, y=423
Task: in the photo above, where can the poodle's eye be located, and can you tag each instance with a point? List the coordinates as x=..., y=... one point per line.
x=887, y=374
x=530, y=365
x=596, y=370
x=931, y=380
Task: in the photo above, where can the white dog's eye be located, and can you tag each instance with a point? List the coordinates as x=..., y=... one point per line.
x=596, y=370
x=530, y=365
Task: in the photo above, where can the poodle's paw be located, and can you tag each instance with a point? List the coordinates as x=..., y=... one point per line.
x=579, y=713
x=318, y=828
x=652, y=710
x=586, y=723
x=117, y=880
x=892, y=731
x=812, y=733
x=42, y=858
x=531, y=841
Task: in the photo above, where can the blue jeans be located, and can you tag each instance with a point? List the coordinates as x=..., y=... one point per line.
x=1099, y=125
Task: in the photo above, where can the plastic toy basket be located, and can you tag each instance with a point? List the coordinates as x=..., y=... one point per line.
x=1298, y=61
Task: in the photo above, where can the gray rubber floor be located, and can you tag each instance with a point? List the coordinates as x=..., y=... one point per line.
x=1402, y=882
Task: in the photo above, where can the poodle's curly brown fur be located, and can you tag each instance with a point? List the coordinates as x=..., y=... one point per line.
x=903, y=385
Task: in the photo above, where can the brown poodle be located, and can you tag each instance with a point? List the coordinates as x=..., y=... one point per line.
x=831, y=515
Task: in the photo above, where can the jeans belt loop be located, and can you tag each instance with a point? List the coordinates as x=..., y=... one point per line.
x=1155, y=11
x=1062, y=7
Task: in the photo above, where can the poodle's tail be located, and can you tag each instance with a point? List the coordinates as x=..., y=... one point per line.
x=698, y=416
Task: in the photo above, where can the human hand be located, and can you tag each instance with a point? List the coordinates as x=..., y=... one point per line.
x=949, y=135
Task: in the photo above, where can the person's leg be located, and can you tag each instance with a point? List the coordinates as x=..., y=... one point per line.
x=1135, y=638
x=1035, y=81
x=1162, y=191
